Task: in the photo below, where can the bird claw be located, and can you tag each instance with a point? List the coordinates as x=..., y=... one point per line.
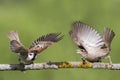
x=49, y=63
x=110, y=65
x=22, y=65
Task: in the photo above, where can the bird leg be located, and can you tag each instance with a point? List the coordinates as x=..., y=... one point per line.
x=20, y=61
x=110, y=61
x=82, y=52
x=21, y=65
x=83, y=60
x=31, y=63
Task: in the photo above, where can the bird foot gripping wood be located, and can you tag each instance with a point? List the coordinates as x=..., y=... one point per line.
x=110, y=65
x=21, y=66
x=83, y=60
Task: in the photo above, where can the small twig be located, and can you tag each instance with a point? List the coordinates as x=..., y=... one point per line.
x=58, y=65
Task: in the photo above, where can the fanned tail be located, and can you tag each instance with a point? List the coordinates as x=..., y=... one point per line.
x=15, y=44
x=108, y=36
x=13, y=35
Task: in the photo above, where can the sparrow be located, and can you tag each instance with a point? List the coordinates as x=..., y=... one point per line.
x=28, y=55
x=92, y=46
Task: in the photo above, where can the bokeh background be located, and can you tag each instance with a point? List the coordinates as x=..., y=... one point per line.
x=33, y=18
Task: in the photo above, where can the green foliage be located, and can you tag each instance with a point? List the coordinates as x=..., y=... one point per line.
x=33, y=18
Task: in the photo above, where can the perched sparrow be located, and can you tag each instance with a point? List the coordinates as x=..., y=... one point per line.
x=92, y=46
x=28, y=55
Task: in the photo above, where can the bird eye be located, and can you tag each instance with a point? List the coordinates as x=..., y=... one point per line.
x=30, y=54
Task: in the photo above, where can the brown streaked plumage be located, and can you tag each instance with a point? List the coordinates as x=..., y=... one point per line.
x=29, y=54
x=92, y=46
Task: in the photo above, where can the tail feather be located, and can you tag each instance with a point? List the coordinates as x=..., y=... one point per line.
x=13, y=35
x=108, y=36
x=15, y=44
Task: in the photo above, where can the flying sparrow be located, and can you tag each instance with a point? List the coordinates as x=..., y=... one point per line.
x=92, y=46
x=28, y=55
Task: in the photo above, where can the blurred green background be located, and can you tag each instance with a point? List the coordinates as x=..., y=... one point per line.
x=33, y=18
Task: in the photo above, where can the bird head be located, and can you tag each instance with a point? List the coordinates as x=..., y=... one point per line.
x=32, y=56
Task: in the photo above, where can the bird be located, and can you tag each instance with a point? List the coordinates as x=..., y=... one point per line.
x=92, y=46
x=28, y=55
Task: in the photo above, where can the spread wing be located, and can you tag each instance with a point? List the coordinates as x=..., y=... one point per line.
x=85, y=36
x=15, y=44
x=45, y=41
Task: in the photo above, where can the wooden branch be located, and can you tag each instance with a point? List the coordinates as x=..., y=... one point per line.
x=57, y=65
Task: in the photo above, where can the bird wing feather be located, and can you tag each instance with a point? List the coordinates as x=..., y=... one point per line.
x=86, y=36
x=45, y=41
